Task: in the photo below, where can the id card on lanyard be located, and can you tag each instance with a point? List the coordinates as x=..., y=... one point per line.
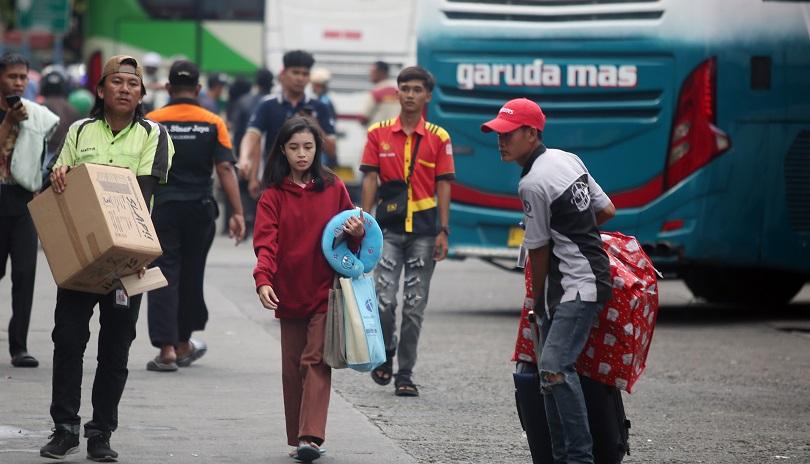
x=121, y=299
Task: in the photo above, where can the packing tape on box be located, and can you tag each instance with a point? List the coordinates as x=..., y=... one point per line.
x=92, y=242
x=72, y=230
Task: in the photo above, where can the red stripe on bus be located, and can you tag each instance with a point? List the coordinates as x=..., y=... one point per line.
x=632, y=198
x=640, y=195
x=463, y=194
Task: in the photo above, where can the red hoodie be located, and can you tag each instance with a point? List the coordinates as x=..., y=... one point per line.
x=287, y=240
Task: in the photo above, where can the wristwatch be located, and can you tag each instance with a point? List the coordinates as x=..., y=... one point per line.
x=445, y=230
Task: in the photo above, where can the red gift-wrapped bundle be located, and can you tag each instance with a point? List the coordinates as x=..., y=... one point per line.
x=616, y=351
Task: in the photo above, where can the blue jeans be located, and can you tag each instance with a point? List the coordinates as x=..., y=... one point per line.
x=564, y=336
x=414, y=253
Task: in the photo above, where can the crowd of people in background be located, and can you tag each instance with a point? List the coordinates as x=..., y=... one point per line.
x=247, y=129
x=235, y=98
x=186, y=136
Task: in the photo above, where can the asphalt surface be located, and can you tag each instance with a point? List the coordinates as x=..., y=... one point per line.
x=225, y=408
x=722, y=385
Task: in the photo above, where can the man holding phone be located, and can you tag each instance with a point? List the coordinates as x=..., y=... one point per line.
x=24, y=128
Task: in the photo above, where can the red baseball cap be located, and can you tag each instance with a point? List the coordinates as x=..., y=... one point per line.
x=515, y=114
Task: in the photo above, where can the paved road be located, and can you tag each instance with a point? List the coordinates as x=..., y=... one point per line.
x=226, y=408
x=722, y=386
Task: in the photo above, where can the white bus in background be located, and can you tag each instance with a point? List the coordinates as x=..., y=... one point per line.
x=346, y=37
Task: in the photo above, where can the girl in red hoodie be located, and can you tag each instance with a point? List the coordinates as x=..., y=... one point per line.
x=292, y=275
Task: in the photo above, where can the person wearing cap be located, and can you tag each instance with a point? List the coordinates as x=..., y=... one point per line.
x=156, y=95
x=319, y=80
x=413, y=159
x=25, y=127
x=563, y=206
x=115, y=134
x=271, y=114
x=53, y=87
x=184, y=214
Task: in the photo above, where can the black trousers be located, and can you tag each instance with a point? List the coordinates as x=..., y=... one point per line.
x=186, y=231
x=70, y=335
x=18, y=241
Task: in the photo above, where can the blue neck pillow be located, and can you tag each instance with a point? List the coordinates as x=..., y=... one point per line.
x=340, y=257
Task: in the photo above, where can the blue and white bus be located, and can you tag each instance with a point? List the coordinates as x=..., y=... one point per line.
x=693, y=115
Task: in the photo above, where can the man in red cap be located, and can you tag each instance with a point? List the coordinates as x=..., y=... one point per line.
x=562, y=205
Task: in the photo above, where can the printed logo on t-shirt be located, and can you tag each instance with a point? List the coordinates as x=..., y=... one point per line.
x=527, y=209
x=580, y=196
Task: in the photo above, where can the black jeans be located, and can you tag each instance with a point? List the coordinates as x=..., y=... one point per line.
x=70, y=335
x=18, y=240
x=186, y=230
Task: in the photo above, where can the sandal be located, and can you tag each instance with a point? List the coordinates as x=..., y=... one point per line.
x=307, y=452
x=384, y=373
x=198, y=349
x=159, y=365
x=405, y=387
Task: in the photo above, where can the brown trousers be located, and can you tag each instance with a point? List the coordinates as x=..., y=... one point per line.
x=306, y=378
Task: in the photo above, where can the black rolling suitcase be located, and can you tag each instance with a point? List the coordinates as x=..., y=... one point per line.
x=606, y=418
x=608, y=423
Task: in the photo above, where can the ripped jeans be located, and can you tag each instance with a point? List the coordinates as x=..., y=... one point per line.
x=414, y=253
x=564, y=337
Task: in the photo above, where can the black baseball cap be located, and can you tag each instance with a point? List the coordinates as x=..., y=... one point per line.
x=184, y=73
x=53, y=83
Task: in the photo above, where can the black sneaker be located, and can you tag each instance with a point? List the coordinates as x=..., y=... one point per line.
x=98, y=449
x=62, y=443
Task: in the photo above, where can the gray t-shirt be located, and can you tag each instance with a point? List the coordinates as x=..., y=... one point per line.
x=560, y=201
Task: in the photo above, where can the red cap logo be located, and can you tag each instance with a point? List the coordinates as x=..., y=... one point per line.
x=515, y=114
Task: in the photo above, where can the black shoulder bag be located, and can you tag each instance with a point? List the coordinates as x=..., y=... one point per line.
x=393, y=206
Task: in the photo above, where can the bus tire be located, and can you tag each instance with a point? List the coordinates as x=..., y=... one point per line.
x=744, y=287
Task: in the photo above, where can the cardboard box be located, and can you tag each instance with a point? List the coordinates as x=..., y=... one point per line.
x=97, y=231
x=151, y=280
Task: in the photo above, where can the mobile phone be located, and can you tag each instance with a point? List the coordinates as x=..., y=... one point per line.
x=12, y=100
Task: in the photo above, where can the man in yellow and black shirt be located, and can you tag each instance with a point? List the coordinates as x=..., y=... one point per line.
x=184, y=216
x=415, y=157
x=116, y=134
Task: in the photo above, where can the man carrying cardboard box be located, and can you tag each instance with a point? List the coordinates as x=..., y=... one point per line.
x=116, y=134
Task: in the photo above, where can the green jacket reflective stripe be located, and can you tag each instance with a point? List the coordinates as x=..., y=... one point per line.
x=144, y=147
